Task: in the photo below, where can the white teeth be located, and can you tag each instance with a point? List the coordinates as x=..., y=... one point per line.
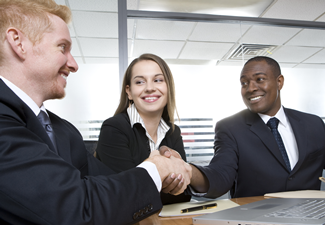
x=150, y=98
x=64, y=76
x=255, y=98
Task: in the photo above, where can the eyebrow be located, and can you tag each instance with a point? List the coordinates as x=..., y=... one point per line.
x=254, y=75
x=140, y=76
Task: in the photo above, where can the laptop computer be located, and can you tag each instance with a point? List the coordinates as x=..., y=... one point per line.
x=288, y=211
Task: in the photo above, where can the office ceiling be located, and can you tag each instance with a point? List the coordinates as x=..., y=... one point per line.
x=94, y=32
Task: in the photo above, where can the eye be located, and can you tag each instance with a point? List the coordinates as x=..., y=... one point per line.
x=63, y=47
x=159, y=80
x=139, y=82
x=243, y=83
x=260, y=79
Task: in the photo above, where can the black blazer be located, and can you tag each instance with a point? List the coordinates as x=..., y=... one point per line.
x=248, y=161
x=41, y=187
x=122, y=147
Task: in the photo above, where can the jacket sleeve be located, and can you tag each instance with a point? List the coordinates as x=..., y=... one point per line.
x=113, y=147
x=222, y=170
x=39, y=187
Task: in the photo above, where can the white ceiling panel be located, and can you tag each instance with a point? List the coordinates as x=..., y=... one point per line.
x=163, y=30
x=313, y=66
x=60, y=2
x=97, y=5
x=321, y=19
x=79, y=60
x=164, y=49
x=94, y=47
x=232, y=63
x=293, y=54
x=223, y=32
x=221, y=7
x=91, y=24
x=75, y=51
x=296, y=9
x=269, y=35
x=319, y=57
x=96, y=60
x=309, y=37
x=203, y=50
x=71, y=30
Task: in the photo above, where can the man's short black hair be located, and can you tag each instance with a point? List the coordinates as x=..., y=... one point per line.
x=271, y=62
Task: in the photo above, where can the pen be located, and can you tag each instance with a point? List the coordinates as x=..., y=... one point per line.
x=322, y=179
x=209, y=206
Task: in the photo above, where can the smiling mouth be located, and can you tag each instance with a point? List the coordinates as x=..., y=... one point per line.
x=150, y=99
x=255, y=98
x=64, y=76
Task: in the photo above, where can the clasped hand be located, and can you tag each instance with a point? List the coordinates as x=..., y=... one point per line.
x=176, y=182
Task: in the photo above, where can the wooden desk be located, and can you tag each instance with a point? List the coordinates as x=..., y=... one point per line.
x=187, y=220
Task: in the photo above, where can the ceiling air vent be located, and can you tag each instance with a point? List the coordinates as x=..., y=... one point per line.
x=251, y=50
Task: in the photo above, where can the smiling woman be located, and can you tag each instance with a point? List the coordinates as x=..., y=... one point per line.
x=143, y=121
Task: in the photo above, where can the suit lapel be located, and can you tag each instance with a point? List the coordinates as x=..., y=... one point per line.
x=300, y=135
x=260, y=129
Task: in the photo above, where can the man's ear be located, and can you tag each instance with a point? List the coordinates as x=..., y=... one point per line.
x=16, y=40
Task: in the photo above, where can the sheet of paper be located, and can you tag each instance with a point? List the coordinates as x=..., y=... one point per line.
x=298, y=194
x=175, y=209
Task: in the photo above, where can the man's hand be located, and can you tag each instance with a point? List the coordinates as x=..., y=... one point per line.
x=173, y=183
x=199, y=181
x=168, y=152
x=177, y=183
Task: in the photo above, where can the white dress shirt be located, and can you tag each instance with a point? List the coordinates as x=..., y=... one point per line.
x=162, y=130
x=287, y=135
x=149, y=166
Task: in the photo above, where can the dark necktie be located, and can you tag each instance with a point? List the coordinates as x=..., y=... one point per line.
x=273, y=124
x=45, y=121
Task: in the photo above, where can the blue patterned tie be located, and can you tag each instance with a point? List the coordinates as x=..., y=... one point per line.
x=46, y=123
x=273, y=124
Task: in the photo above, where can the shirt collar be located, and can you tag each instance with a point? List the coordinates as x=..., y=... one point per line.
x=136, y=118
x=280, y=115
x=23, y=96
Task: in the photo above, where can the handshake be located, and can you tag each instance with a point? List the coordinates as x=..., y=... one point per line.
x=174, y=172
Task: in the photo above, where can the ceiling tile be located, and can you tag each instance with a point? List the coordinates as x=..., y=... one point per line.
x=319, y=57
x=221, y=7
x=231, y=63
x=60, y=2
x=90, y=24
x=203, y=50
x=79, y=60
x=321, y=19
x=94, y=47
x=269, y=35
x=97, y=5
x=292, y=54
x=296, y=9
x=223, y=32
x=95, y=60
x=163, y=30
x=71, y=30
x=75, y=51
x=304, y=38
x=313, y=66
x=164, y=49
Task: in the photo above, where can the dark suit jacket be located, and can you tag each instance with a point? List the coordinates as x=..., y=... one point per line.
x=248, y=161
x=40, y=187
x=122, y=147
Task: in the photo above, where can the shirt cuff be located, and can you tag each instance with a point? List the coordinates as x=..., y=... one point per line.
x=153, y=173
x=196, y=193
